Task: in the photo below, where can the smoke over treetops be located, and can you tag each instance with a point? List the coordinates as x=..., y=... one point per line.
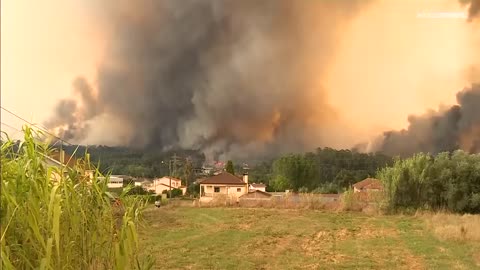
x=447, y=129
x=222, y=76
x=212, y=75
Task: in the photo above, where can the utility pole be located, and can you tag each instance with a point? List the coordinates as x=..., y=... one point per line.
x=170, y=177
x=172, y=170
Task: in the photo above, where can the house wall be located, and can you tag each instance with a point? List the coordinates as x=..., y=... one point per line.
x=365, y=189
x=159, y=188
x=166, y=181
x=115, y=182
x=224, y=189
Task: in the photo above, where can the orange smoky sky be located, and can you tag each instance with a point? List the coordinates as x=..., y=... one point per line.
x=391, y=63
x=44, y=45
x=388, y=63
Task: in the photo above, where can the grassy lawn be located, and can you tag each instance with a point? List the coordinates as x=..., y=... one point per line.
x=227, y=238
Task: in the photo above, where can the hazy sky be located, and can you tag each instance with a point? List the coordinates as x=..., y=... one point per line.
x=45, y=44
x=389, y=63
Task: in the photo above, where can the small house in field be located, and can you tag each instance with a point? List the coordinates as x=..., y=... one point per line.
x=369, y=184
x=223, y=185
x=166, y=183
x=255, y=186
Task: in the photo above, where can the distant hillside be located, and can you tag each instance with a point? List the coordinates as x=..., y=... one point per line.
x=135, y=162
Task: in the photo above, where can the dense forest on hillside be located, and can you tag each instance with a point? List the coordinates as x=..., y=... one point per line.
x=136, y=162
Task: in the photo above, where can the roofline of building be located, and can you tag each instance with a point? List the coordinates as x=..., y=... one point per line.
x=225, y=184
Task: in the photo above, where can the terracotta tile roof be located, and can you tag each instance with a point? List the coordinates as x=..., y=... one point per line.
x=255, y=191
x=223, y=178
x=369, y=183
x=255, y=185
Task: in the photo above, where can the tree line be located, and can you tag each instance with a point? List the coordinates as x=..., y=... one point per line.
x=325, y=171
x=447, y=181
x=140, y=162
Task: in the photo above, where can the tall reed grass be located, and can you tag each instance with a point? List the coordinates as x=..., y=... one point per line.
x=55, y=217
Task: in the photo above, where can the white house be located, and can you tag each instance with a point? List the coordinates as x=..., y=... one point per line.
x=167, y=183
x=113, y=181
x=255, y=186
x=223, y=185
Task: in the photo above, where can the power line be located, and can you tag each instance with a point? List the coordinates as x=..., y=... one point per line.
x=10, y=126
x=44, y=129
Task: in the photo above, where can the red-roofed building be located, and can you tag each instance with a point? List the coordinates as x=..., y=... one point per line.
x=257, y=186
x=369, y=184
x=223, y=184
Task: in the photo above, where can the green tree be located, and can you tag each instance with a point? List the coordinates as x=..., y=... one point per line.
x=279, y=183
x=176, y=192
x=448, y=181
x=230, y=168
x=136, y=190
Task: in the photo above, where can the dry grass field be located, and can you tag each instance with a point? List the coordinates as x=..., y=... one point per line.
x=242, y=238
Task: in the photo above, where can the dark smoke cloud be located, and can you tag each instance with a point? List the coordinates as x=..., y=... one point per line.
x=217, y=75
x=71, y=115
x=447, y=129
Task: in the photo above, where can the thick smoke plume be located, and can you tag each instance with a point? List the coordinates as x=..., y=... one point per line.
x=217, y=75
x=447, y=129
x=247, y=77
x=71, y=116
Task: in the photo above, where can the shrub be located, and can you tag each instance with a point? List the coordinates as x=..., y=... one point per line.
x=176, y=192
x=137, y=190
x=447, y=181
x=58, y=218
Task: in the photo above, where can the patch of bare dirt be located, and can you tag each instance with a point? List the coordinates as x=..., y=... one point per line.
x=362, y=233
x=413, y=262
x=319, y=247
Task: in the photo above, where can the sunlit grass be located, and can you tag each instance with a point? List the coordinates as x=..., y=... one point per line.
x=259, y=238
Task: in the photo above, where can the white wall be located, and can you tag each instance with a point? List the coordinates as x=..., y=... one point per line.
x=234, y=191
x=115, y=182
x=166, y=181
x=158, y=188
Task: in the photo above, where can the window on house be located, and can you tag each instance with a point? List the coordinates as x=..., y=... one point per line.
x=216, y=189
x=239, y=189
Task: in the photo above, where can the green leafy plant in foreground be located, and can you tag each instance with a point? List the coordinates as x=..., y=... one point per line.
x=56, y=217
